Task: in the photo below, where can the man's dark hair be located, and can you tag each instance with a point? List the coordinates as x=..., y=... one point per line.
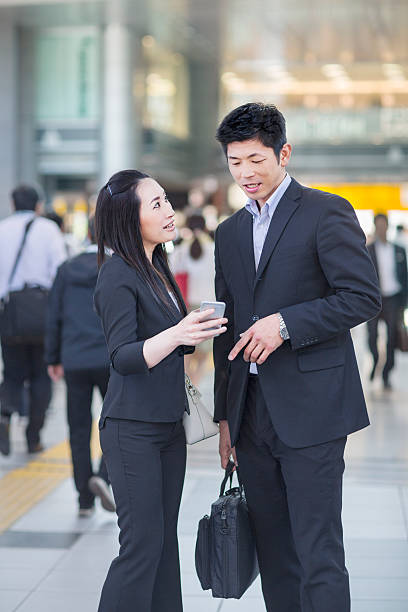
x=25, y=197
x=380, y=216
x=253, y=121
x=53, y=216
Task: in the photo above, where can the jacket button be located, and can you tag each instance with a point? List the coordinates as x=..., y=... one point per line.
x=255, y=317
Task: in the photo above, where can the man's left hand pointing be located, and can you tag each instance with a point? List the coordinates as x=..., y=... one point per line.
x=260, y=340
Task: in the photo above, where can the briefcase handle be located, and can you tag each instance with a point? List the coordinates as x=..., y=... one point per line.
x=229, y=472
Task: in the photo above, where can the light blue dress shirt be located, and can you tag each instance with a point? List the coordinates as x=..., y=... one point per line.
x=261, y=222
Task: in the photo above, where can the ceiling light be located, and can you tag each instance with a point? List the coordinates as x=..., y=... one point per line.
x=279, y=73
x=148, y=41
x=335, y=71
x=262, y=86
x=342, y=83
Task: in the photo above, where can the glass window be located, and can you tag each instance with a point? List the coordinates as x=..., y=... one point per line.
x=67, y=74
x=166, y=105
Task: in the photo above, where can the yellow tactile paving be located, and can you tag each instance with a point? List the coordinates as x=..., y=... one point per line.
x=24, y=487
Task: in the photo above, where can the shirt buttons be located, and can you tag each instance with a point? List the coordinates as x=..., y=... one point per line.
x=255, y=317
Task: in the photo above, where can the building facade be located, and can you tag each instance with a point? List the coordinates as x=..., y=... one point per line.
x=92, y=87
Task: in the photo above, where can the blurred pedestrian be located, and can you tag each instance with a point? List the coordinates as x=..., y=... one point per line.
x=141, y=429
x=195, y=258
x=401, y=237
x=41, y=250
x=390, y=262
x=75, y=348
x=72, y=245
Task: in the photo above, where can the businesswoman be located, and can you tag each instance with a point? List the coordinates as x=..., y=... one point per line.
x=148, y=332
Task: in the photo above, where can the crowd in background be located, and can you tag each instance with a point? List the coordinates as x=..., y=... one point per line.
x=72, y=345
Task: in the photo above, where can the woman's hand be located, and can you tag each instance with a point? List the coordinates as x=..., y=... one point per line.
x=192, y=330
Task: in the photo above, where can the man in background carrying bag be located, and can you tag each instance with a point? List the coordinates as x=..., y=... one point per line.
x=23, y=358
x=75, y=348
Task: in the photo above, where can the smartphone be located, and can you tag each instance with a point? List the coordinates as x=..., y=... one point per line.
x=219, y=309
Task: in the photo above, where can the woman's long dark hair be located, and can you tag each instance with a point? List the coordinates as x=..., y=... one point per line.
x=117, y=226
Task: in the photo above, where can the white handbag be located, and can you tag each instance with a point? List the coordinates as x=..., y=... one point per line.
x=199, y=424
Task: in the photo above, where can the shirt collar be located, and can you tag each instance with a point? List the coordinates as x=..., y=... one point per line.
x=381, y=244
x=270, y=205
x=29, y=213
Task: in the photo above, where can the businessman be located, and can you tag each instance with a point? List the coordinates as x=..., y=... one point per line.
x=295, y=274
x=390, y=262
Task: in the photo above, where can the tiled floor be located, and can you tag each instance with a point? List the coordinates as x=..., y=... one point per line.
x=51, y=560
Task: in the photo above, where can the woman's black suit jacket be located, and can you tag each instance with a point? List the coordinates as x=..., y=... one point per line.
x=131, y=313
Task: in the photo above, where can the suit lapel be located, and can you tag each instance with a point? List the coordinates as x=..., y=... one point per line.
x=246, y=245
x=285, y=209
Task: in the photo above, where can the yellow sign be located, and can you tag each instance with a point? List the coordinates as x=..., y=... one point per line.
x=378, y=198
x=60, y=206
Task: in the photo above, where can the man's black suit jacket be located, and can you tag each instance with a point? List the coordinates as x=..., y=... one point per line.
x=315, y=270
x=131, y=313
x=400, y=270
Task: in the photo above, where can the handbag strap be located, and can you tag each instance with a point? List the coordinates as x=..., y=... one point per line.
x=229, y=472
x=20, y=250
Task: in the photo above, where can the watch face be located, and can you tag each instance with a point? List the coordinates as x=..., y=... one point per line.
x=283, y=332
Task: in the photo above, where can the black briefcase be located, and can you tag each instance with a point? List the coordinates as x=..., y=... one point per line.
x=23, y=314
x=225, y=555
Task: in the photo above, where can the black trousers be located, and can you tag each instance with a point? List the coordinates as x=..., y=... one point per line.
x=294, y=496
x=80, y=386
x=390, y=312
x=146, y=465
x=25, y=376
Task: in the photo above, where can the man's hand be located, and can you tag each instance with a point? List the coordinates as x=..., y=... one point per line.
x=225, y=445
x=261, y=339
x=55, y=372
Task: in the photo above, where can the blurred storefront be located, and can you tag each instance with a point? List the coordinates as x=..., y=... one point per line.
x=91, y=87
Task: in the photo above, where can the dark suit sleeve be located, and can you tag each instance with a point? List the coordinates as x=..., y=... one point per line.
x=349, y=272
x=52, y=353
x=224, y=343
x=116, y=304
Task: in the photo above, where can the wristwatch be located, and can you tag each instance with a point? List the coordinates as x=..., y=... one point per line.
x=283, y=332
